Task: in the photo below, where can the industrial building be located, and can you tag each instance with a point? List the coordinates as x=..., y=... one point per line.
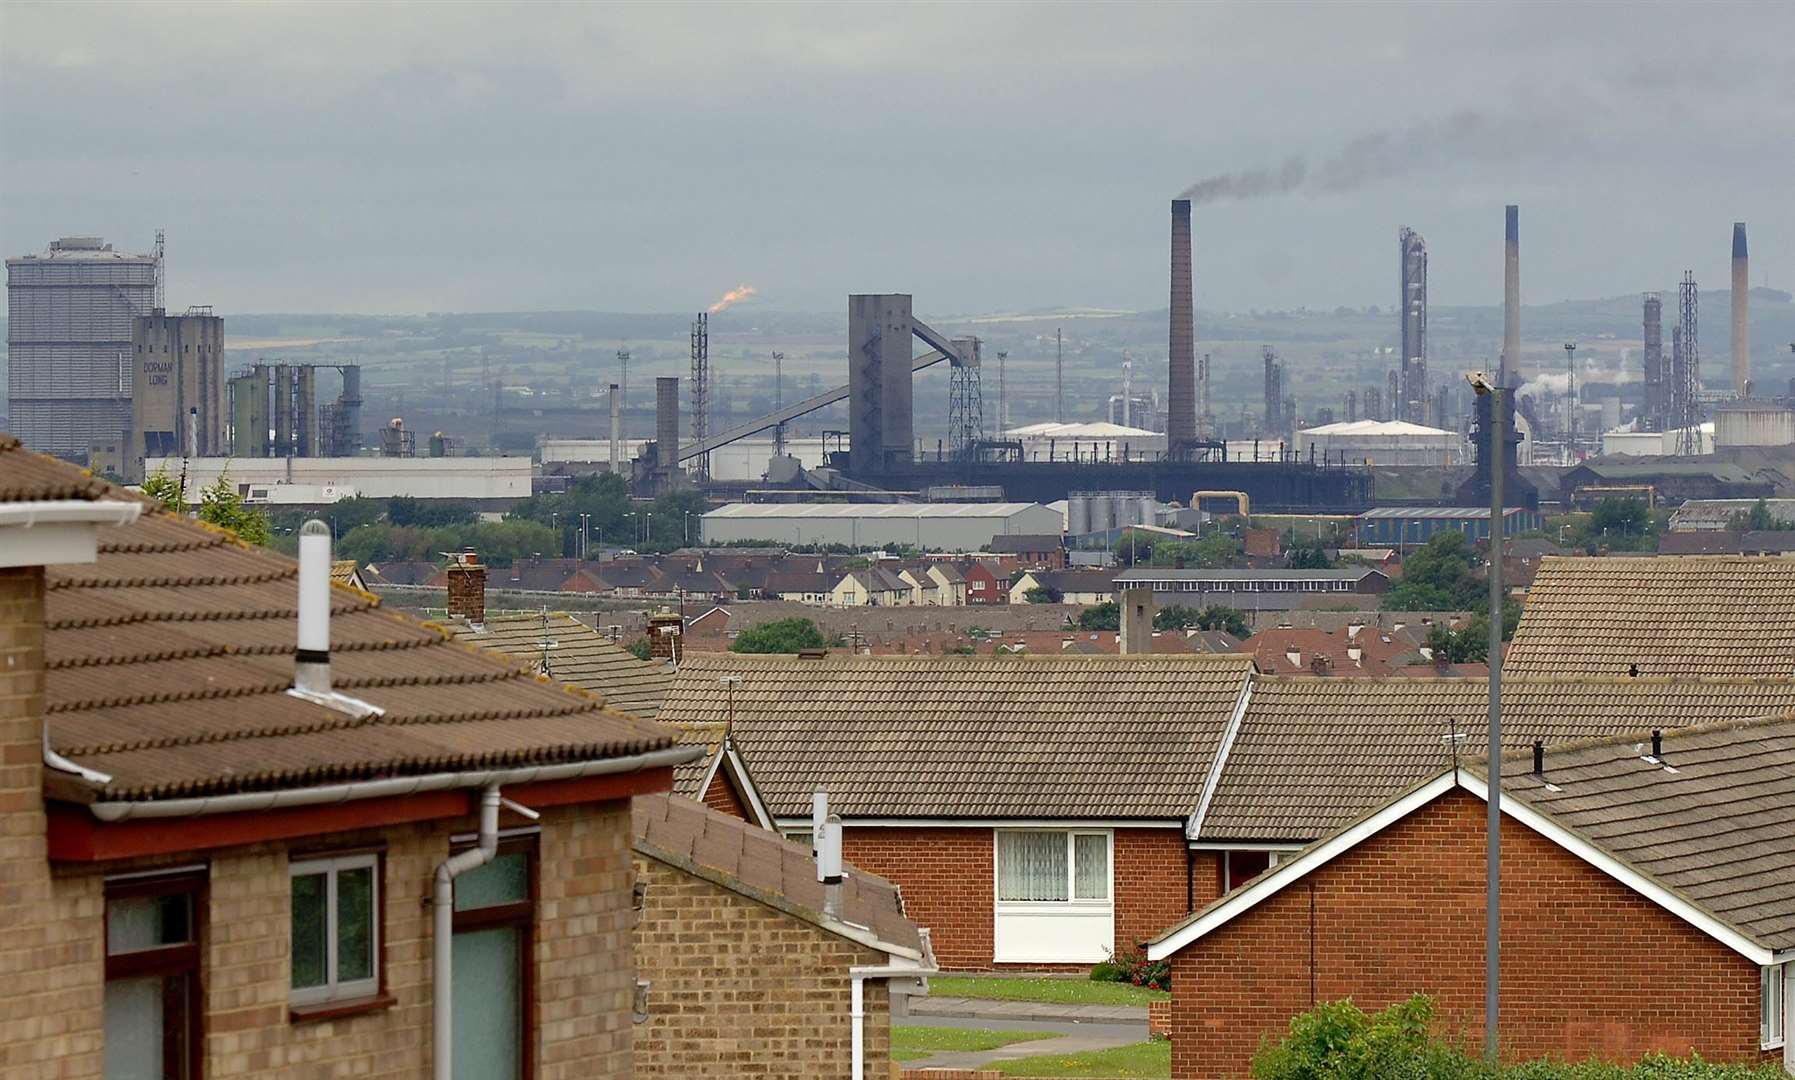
x=1256, y=590
x=177, y=388
x=69, y=340
x=1052, y=441
x=275, y=413
x=314, y=481
x=1407, y=526
x=932, y=526
x=1384, y=442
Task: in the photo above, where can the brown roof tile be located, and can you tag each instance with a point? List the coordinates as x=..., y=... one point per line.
x=1058, y=736
x=29, y=477
x=1730, y=616
x=1719, y=829
x=578, y=655
x=1314, y=753
x=763, y=866
x=169, y=660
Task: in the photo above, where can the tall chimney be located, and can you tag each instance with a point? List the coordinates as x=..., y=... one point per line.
x=616, y=423
x=1136, y=637
x=1181, y=389
x=311, y=661
x=1741, y=314
x=666, y=423
x=1510, y=371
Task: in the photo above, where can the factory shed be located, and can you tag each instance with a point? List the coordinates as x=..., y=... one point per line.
x=1645, y=908
x=1032, y=809
x=1405, y=526
x=930, y=526
x=1254, y=589
x=1383, y=442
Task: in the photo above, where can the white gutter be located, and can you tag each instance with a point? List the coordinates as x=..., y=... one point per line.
x=256, y=802
x=857, y=977
x=442, y=990
x=69, y=512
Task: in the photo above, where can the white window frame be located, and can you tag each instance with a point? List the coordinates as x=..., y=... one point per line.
x=1073, y=900
x=334, y=989
x=1773, y=980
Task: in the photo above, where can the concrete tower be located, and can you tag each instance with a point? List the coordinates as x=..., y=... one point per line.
x=1509, y=373
x=1411, y=253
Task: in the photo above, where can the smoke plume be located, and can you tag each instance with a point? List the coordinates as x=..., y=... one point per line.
x=740, y=292
x=1368, y=158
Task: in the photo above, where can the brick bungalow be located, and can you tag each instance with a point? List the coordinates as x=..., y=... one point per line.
x=252, y=819
x=1034, y=810
x=733, y=915
x=1646, y=905
x=1308, y=755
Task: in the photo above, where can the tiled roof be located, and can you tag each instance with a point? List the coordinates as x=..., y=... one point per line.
x=1046, y=737
x=1314, y=753
x=170, y=657
x=342, y=571
x=578, y=655
x=1720, y=829
x=1730, y=616
x=29, y=477
x=767, y=868
x=688, y=777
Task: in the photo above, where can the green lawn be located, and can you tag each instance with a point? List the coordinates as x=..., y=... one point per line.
x=1055, y=991
x=1147, y=1059
x=910, y=1043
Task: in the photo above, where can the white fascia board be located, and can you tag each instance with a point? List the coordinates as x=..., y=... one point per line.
x=992, y=823
x=54, y=532
x=1214, y=779
x=1621, y=872
x=745, y=784
x=1270, y=884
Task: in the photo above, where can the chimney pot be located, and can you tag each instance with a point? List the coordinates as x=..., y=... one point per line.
x=1539, y=757
x=1657, y=743
x=311, y=668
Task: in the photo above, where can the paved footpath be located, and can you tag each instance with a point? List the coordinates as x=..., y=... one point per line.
x=1077, y=1028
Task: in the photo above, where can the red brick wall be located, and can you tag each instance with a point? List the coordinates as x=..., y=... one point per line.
x=946, y=878
x=1589, y=967
x=723, y=797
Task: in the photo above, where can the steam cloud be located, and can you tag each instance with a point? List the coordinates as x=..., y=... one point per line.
x=1368, y=158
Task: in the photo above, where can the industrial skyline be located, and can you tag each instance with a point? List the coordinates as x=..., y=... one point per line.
x=371, y=150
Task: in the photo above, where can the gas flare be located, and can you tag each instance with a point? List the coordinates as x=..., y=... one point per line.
x=739, y=293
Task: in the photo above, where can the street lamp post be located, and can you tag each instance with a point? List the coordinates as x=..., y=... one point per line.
x=1492, y=980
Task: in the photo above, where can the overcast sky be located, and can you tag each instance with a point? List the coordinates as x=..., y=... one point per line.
x=989, y=157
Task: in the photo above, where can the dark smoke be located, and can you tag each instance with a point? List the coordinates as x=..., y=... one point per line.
x=1366, y=159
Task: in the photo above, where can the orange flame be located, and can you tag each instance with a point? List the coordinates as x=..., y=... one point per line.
x=740, y=292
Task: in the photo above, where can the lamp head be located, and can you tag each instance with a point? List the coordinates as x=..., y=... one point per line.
x=1480, y=382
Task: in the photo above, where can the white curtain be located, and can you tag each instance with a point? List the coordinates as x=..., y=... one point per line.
x=1031, y=866
x=1090, y=864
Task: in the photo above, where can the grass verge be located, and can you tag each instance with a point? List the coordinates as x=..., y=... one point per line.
x=910, y=1043
x=1053, y=991
x=1147, y=1059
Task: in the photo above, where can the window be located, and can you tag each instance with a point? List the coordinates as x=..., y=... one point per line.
x=152, y=1007
x=495, y=909
x=1052, y=866
x=336, y=928
x=1771, y=1014
x=1240, y=867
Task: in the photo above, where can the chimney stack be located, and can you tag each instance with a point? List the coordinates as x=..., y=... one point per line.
x=1741, y=314
x=311, y=662
x=467, y=588
x=1509, y=373
x=666, y=424
x=1137, y=621
x=616, y=427
x=666, y=635
x=1181, y=389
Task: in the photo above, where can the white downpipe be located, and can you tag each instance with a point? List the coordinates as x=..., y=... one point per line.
x=857, y=1016
x=442, y=992
x=857, y=977
x=260, y=801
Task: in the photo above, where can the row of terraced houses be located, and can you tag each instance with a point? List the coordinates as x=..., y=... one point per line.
x=250, y=830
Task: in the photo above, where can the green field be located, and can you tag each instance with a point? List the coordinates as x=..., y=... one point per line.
x=1053, y=991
